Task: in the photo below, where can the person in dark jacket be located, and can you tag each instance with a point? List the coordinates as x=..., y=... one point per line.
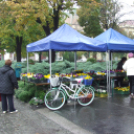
x=119, y=67
x=8, y=83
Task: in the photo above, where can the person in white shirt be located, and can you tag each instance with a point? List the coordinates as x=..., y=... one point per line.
x=129, y=68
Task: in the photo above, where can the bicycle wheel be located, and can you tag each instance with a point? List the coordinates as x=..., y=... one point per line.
x=86, y=95
x=54, y=99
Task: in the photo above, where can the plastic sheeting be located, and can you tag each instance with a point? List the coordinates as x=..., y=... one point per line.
x=116, y=41
x=67, y=39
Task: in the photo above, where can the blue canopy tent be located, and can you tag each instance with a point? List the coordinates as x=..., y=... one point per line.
x=66, y=38
x=116, y=42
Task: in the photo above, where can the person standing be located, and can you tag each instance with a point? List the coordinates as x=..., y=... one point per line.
x=129, y=67
x=8, y=83
x=119, y=81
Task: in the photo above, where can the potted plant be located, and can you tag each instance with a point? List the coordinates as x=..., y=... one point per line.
x=39, y=78
x=120, y=73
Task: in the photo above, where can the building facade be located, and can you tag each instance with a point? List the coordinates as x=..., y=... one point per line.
x=128, y=27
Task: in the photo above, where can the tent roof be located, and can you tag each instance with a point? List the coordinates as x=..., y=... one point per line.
x=116, y=41
x=66, y=38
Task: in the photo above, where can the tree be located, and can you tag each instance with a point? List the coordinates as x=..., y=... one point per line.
x=48, y=13
x=56, y=13
x=97, y=17
x=89, y=18
x=68, y=56
x=108, y=13
x=19, y=27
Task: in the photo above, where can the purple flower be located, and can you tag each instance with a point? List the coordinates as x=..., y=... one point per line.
x=39, y=76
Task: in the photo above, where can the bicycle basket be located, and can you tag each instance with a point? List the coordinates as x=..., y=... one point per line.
x=55, y=81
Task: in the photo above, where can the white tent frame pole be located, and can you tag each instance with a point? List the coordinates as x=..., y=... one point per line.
x=75, y=59
x=111, y=61
x=27, y=63
x=109, y=93
x=107, y=71
x=111, y=69
x=50, y=63
x=107, y=62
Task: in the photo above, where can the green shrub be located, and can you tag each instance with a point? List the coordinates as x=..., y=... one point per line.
x=40, y=94
x=21, y=84
x=32, y=91
x=31, y=61
x=17, y=92
x=35, y=101
x=28, y=86
x=91, y=60
x=2, y=63
x=24, y=96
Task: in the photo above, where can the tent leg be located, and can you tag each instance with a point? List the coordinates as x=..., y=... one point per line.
x=75, y=59
x=107, y=72
x=110, y=77
x=50, y=61
x=27, y=63
x=109, y=94
x=111, y=61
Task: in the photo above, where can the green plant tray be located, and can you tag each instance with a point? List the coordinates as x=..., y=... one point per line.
x=121, y=92
x=121, y=74
x=101, y=95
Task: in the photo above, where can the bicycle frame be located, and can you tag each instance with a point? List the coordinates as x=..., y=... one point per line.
x=64, y=88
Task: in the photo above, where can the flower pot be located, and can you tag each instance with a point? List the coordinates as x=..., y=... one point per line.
x=44, y=81
x=29, y=80
x=36, y=81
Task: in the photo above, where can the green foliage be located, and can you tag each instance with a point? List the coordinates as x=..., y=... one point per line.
x=36, y=101
x=89, y=19
x=40, y=94
x=21, y=84
x=91, y=25
x=68, y=56
x=24, y=96
x=25, y=92
x=17, y=92
x=108, y=13
x=91, y=60
x=33, y=101
x=91, y=16
x=31, y=61
x=32, y=91
x=2, y=63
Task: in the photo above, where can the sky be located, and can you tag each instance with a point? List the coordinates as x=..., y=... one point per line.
x=127, y=9
x=130, y=2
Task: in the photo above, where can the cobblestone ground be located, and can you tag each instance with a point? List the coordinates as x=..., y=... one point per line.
x=28, y=121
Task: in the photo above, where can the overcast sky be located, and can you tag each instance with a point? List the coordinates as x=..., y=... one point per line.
x=130, y=2
x=127, y=9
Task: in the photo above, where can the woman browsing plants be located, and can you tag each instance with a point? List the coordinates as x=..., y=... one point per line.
x=129, y=67
x=8, y=83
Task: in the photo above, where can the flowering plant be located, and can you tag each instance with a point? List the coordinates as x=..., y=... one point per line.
x=119, y=71
x=122, y=88
x=111, y=71
x=39, y=76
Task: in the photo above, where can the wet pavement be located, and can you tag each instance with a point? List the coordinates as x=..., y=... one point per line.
x=28, y=121
x=103, y=116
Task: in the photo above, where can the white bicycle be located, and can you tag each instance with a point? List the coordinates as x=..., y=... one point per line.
x=56, y=97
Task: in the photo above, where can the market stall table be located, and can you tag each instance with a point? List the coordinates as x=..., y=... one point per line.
x=98, y=79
